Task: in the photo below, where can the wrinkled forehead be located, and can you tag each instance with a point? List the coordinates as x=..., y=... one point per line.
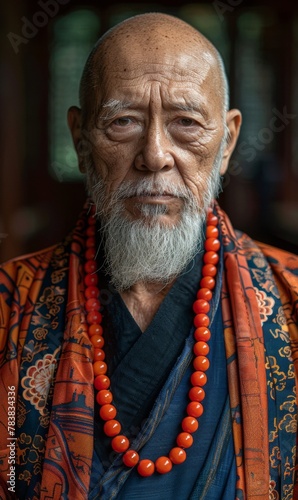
x=173, y=53
x=133, y=59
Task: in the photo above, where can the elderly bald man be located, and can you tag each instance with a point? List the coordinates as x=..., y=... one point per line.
x=150, y=354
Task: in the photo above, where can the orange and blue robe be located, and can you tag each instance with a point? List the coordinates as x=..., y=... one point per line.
x=46, y=355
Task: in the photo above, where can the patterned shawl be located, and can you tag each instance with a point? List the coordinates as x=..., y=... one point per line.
x=46, y=377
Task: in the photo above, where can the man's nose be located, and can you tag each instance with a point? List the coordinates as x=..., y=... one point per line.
x=155, y=151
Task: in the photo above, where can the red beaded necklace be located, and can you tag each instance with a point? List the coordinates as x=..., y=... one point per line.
x=104, y=397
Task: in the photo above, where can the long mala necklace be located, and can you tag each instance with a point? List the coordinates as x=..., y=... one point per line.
x=104, y=396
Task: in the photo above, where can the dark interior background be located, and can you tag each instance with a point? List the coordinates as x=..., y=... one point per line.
x=43, y=48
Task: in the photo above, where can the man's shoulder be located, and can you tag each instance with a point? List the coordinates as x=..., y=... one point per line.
x=273, y=254
x=262, y=257
x=26, y=264
x=279, y=257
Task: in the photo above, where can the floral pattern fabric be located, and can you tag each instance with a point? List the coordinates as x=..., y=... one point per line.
x=46, y=355
x=260, y=305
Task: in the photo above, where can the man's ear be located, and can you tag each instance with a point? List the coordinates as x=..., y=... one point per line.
x=233, y=124
x=74, y=124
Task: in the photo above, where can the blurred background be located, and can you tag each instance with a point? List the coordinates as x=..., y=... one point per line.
x=44, y=45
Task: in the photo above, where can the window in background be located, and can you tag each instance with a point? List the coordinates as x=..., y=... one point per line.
x=253, y=86
x=73, y=36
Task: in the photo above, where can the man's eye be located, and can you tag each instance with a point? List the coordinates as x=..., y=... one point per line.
x=123, y=121
x=186, y=122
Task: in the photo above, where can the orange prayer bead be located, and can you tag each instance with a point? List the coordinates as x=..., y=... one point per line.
x=205, y=294
x=102, y=382
x=201, y=348
x=99, y=367
x=207, y=282
x=91, y=291
x=98, y=355
x=146, y=468
x=120, y=443
x=91, y=220
x=97, y=341
x=90, y=253
x=91, y=279
x=94, y=317
x=196, y=393
x=184, y=439
x=190, y=424
x=211, y=232
x=201, y=363
x=90, y=242
x=198, y=378
x=201, y=306
x=95, y=330
x=112, y=428
x=202, y=333
x=90, y=266
x=212, y=244
x=131, y=458
x=209, y=270
x=90, y=231
x=92, y=304
x=177, y=455
x=201, y=320
x=104, y=397
x=212, y=220
x=210, y=258
x=108, y=412
x=163, y=465
x=194, y=409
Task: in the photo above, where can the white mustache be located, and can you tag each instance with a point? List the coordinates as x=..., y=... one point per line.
x=151, y=188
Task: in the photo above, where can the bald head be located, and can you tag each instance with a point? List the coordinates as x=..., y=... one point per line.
x=154, y=37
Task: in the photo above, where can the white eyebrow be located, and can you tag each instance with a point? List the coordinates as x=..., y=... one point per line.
x=193, y=108
x=112, y=107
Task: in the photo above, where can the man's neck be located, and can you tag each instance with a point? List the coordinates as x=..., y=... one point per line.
x=143, y=301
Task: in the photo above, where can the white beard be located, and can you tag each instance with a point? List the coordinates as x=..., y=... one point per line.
x=147, y=250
